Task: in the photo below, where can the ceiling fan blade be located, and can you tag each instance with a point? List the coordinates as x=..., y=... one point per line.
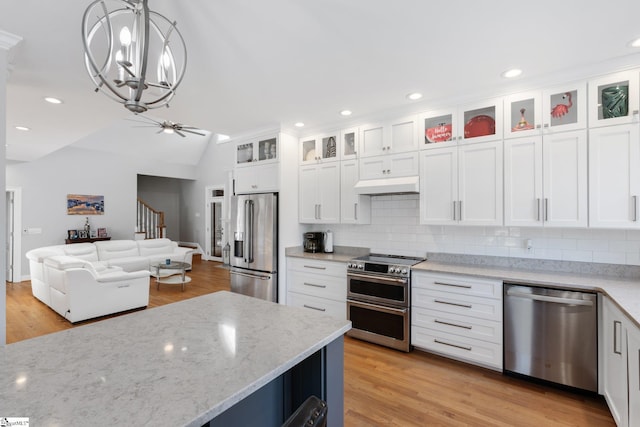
x=179, y=133
x=193, y=131
x=160, y=131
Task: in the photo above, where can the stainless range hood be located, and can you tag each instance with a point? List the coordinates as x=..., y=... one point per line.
x=404, y=184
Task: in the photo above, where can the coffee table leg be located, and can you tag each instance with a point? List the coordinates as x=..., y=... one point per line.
x=184, y=270
x=157, y=277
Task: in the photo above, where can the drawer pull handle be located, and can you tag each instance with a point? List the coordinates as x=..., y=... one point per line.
x=314, y=285
x=617, y=326
x=452, y=345
x=453, y=324
x=453, y=303
x=314, y=308
x=314, y=267
x=453, y=285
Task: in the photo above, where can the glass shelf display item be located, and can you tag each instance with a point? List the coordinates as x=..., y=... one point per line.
x=613, y=99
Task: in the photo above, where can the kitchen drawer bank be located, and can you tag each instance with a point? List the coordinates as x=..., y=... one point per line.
x=318, y=281
x=458, y=317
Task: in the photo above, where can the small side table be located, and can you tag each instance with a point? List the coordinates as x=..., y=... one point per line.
x=173, y=273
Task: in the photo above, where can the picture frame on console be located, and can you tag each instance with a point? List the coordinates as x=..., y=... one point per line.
x=72, y=234
x=102, y=232
x=82, y=234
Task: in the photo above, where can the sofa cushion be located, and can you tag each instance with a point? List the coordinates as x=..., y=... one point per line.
x=111, y=249
x=63, y=262
x=156, y=246
x=130, y=263
x=86, y=251
x=39, y=254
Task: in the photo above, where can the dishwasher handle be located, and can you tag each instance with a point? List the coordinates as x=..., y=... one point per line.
x=545, y=298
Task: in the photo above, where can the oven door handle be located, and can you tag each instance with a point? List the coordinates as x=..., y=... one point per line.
x=377, y=307
x=374, y=278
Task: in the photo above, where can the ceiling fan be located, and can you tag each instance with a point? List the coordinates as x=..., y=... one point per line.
x=167, y=126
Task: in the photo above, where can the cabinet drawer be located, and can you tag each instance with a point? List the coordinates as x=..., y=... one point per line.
x=465, y=305
x=320, y=285
x=456, y=324
x=469, y=350
x=338, y=269
x=464, y=285
x=330, y=307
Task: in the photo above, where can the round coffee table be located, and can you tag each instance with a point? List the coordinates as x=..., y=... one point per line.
x=172, y=273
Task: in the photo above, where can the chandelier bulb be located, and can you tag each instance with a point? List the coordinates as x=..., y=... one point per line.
x=125, y=36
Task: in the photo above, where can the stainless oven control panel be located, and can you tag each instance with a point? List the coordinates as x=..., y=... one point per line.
x=390, y=269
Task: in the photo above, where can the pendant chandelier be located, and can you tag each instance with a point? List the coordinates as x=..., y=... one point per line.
x=135, y=56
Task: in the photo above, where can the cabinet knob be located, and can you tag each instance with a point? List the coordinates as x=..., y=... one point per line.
x=254, y=186
x=388, y=170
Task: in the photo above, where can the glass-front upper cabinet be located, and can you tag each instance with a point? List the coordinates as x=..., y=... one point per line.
x=257, y=150
x=349, y=140
x=320, y=148
x=613, y=99
x=481, y=121
x=561, y=108
x=523, y=114
x=564, y=107
x=438, y=129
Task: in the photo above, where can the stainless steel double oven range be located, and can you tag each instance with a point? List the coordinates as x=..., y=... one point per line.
x=379, y=299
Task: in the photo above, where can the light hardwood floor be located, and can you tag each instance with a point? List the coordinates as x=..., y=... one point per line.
x=383, y=387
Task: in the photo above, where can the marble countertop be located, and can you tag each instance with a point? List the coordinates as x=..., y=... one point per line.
x=177, y=365
x=624, y=291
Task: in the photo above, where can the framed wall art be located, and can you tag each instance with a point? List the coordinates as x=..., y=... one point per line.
x=80, y=204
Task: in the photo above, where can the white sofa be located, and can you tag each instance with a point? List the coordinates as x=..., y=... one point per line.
x=80, y=291
x=123, y=255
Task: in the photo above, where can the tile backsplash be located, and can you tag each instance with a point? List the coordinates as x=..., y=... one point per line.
x=395, y=228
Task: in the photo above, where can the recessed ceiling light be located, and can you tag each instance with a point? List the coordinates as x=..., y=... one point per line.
x=24, y=128
x=53, y=100
x=635, y=43
x=414, y=96
x=345, y=113
x=514, y=72
x=299, y=124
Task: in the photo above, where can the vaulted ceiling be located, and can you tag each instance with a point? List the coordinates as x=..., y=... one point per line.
x=263, y=64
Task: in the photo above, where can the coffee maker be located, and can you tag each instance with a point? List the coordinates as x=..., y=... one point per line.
x=313, y=241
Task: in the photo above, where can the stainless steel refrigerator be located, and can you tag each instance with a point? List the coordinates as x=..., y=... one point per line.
x=254, y=253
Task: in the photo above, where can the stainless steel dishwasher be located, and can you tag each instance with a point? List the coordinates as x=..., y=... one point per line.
x=551, y=334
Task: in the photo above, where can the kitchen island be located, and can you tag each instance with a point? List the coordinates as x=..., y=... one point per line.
x=219, y=359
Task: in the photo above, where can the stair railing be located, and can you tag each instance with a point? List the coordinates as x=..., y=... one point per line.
x=150, y=221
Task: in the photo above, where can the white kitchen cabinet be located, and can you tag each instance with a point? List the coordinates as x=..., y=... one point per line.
x=259, y=150
x=389, y=137
x=633, y=361
x=319, y=193
x=462, y=185
x=614, y=366
x=320, y=148
x=613, y=99
x=545, y=180
x=557, y=109
x=354, y=208
x=438, y=128
x=614, y=176
x=349, y=143
x=257, y=178
x=317, y=285
x=481, y=121
x=389, y=166
x=457, y=316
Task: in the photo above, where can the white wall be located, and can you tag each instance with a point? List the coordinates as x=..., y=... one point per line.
x=212, y=169
x=395, y=229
